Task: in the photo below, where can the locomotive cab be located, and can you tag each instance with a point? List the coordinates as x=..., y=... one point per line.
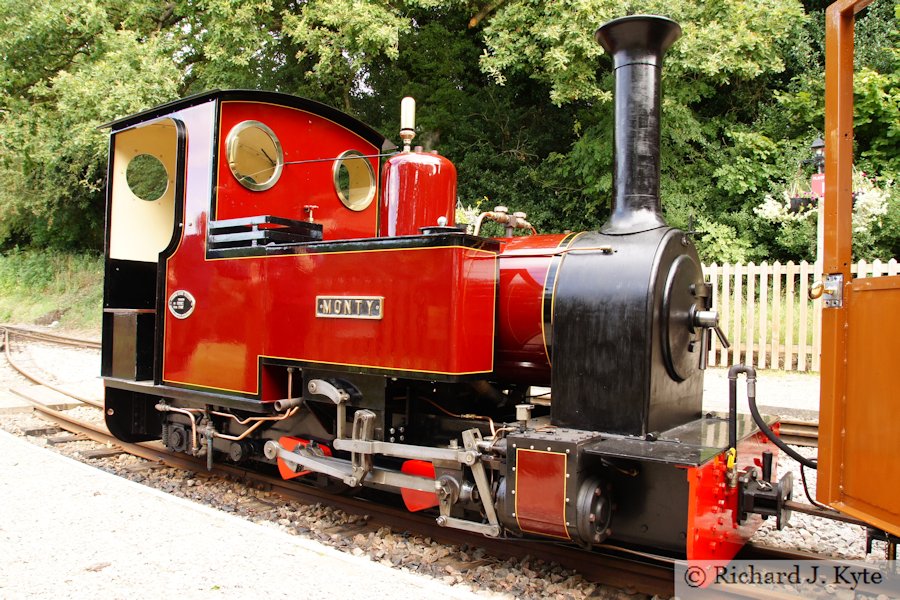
x=270, y=211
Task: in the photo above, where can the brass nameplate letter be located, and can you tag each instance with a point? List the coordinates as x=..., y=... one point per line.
x=349, y=307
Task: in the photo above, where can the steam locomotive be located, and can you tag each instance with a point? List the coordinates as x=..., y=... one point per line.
x=282, y=299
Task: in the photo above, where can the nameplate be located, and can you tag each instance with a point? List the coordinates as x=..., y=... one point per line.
x=349, y=307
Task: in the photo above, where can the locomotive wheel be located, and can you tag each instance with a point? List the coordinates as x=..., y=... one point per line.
x=593, y=512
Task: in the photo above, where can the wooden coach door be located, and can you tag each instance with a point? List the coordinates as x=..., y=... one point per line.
x=859, y=431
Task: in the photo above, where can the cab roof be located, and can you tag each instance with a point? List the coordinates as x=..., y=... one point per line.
x=305, y=104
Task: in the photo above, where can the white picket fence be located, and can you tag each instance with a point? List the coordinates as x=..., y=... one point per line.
x=766, y=314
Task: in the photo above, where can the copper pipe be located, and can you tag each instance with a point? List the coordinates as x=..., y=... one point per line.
x=463, y=416
x=252, y=428
x=257, y=421
x=250, y=419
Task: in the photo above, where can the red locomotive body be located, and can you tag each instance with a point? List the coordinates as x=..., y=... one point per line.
x=230, y=341
x=275, y=306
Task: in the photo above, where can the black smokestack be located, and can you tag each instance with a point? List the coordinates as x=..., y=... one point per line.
x=637, y=44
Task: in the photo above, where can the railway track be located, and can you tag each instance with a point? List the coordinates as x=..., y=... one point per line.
x=800, y=433
x=43, y=336
x=613, y=566
x=31, y=375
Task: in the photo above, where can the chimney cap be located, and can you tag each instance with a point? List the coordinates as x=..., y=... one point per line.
x=637, y=38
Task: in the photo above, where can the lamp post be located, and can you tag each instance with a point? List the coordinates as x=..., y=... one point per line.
x=817, y=185
x=818, y=148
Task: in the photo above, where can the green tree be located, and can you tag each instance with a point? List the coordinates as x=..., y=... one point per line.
x=343, y=38
x=66, y=72
x=497, y=136
x=798, y=114
x=515, y=92
x=713, y=84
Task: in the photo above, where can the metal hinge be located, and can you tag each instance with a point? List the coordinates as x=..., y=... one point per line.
x=833, y=296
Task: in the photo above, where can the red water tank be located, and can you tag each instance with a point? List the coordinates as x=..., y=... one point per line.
x=417, y=189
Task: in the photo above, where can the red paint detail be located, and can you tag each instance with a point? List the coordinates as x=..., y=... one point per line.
x=524, y=265
x=291, y=443
x=303, y=136
x=541, y=492
x=414, y=499
x=714, y=533
x=817, y=183
x=417, y=189
x=265, y=306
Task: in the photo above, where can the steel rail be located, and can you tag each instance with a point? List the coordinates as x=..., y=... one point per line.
x=799, y=433
x=44, y=382
x=623, y=568
x=51, y=337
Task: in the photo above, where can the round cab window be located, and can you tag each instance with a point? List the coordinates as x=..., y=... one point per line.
x=147, y=177
x=254, y=155
x=354, y=180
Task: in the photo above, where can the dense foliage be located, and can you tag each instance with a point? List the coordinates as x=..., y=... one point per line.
x=46, y=286
x=515, y=92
